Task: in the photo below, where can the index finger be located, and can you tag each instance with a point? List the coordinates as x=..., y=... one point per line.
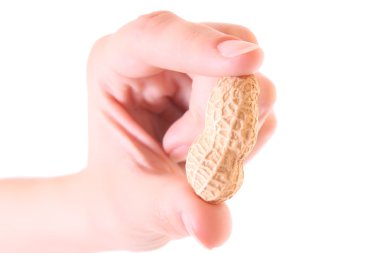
x=162, y=40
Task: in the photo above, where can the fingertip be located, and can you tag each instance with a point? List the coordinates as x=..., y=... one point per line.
x=178, y=154
x=180, y=212
x=180, y=135
x=209, y=224
x=240, y=65
x=268, y=95
x=248, y=63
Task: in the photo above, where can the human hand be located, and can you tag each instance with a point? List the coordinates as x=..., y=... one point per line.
x=148, y=89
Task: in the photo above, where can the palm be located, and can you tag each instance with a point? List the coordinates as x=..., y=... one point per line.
x=156, y=102
x=152, y=105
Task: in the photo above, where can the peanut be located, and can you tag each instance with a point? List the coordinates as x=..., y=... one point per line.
x=214, y=164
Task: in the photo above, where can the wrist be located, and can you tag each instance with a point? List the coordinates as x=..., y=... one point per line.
x=85, y=195
x=89, y=192
x=48, y=215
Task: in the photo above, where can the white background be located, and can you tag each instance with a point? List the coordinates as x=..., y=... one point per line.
x=314, y=188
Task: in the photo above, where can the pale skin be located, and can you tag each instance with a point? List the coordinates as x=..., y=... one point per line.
x=148, y=85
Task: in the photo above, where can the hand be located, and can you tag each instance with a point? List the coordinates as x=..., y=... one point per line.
x=148, y=89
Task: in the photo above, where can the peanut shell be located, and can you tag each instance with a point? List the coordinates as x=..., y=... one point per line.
x=214, y=165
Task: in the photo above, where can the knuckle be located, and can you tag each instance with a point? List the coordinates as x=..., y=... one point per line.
x=99, y=43
x=155, y=19
x=200, y=33
x=97, y=49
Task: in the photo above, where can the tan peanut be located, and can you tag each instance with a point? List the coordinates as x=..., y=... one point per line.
x=214, y=165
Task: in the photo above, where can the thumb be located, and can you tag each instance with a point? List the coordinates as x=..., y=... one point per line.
x=182, y=213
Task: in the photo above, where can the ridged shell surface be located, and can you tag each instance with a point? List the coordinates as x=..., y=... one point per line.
x=214, y=165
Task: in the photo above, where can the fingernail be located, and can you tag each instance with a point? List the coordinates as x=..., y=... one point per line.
x=232, y=48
